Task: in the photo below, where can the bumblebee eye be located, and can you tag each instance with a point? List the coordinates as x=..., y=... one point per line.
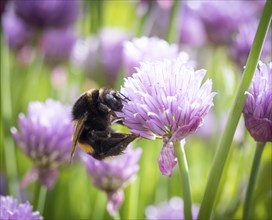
x=114, y=102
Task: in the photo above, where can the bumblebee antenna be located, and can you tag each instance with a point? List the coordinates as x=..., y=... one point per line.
x=125, y=97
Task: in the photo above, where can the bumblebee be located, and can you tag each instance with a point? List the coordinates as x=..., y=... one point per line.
x=93, y=113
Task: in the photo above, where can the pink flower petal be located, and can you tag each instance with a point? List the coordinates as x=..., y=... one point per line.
x=167, y=159
x=115, y=200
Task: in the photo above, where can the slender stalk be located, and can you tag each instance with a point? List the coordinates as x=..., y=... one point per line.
x=100, y=202
x=185, y=181
x=171, y=33
x=40, y=197
x=9, y=156
x=141, y=26
x=252, y=178
x=234, y=116
x=117, y=216
x=132, y=199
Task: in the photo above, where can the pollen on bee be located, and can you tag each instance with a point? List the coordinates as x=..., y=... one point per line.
x=87, y=148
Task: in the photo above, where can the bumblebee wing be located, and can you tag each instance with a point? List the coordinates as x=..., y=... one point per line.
x=79, y=126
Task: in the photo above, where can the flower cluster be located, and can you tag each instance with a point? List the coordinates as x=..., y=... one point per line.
x=44, y=134
x=11, y=209
x=258, y=107
x=243, y=41
x=147, y=49
x=114, y=174
x=56, y=45
x=25, y=21
x=101, y=53
x=44, y=14
x=167, y=101
x=172, y=210
x=13, y=27
x=221, y=20
x=191, y=28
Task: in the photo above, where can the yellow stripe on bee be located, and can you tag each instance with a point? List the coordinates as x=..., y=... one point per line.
x=87, y=148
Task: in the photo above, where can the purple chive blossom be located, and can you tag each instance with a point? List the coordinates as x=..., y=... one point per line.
x=209, y=127
x=243, y=41
x=172, y=210
x=222, y=18
x=167, y=101
x=44, y=14
x=11, y=209
x=83, y=53
x=101, y=54
x=44, y=135
x=165, y=5
x=147, y=49
x=16, y=32
x=57, y=44
x=191, y=28
x=113, y=174
x=258, y=107
x=2, y=6
x=111, y=46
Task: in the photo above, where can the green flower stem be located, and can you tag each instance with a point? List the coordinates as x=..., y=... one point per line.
x=234, y=116
x=39, y=198
x=171, y=33
x=252, y=178
x=9, y=155
x=100, y=203
x=185, y=181
x=132, y=200
x=117, y=216
x=142, y=23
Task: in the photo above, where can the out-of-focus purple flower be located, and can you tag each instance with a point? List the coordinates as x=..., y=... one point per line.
x=101, y=54
x=45, y=14
x=243, y=41
x=172, y=210
x=111, y=44
x=145, y=5
x=209, y=126
x=115, y=200
x=222, y=18
x=57, y=44
x=11, y=209
x=114, y=174
x=258, y=106
x=147, y=49
x=2, y=6
x=157, y=22
x=191, y=28
x=166, y=99
x=84, y=48
x=142, y=6
x=44, y=135
x=213, y=126
x=165, y=4
x=16, y=32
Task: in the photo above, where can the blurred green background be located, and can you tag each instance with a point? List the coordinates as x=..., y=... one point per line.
x=74, y=197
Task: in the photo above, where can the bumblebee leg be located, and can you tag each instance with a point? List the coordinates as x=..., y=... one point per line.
x=100, y=135
x=118, y=120
x=117, y=143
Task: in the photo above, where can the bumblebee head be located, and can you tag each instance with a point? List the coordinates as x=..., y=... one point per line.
x=113, y=99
